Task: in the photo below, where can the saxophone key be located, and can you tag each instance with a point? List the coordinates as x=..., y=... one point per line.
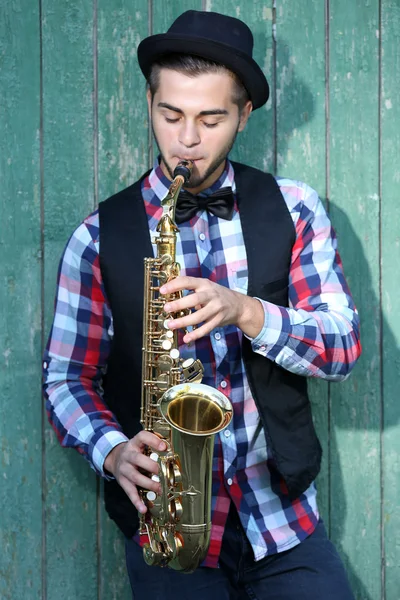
x=165, y=363
x=166, y=344
x=174, y=354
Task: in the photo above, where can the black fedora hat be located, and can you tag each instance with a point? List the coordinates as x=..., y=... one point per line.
x=213, y=36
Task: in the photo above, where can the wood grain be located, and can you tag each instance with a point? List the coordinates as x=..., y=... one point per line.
x=56, y=540
x=390, y=285
x=20, y=303
x=354, y=206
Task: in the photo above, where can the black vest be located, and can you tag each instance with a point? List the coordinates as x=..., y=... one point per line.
x=280, y=396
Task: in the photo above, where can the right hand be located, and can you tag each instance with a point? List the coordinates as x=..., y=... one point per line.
x=127, y=461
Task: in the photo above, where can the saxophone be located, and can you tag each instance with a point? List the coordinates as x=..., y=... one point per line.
x=178, y=408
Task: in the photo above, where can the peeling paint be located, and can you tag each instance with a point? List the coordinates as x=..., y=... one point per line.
x=267, y=13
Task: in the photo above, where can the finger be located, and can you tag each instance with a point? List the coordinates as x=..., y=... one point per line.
x=133, y=494
x=135, y=459
x=201, y=331
x=193, y=319
x=181, y=283
x=139, y=479
x=146, y=438
x=189, y=301
x=141, y=461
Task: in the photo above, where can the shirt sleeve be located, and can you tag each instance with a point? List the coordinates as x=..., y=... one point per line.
x=318, y=333
x=77, y=351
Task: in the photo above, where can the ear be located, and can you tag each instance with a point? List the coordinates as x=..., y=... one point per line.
x=149, y=98
x=244, y=116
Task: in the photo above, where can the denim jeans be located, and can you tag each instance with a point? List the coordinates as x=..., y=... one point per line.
x=312, y=570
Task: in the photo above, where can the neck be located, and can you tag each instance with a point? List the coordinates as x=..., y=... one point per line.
x=215, y=175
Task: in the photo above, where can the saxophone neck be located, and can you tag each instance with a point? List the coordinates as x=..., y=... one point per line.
x=181, y=175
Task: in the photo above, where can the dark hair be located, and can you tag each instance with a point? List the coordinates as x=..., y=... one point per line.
x=192, y=66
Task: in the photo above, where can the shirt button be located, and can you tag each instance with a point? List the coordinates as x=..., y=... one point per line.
x=202, y=237
x=229, y=481
x=217, y=336
x=227, y=433
x=223, y=384
x=45, y=365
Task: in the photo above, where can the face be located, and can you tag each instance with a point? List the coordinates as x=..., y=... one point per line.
x=194, y=118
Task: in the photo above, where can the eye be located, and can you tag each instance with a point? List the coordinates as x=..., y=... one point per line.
x=210, y=125
x=171, y=120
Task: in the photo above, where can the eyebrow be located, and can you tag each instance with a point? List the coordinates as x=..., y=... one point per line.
x=215, y=111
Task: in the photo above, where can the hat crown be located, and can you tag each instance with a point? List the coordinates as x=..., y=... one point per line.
x=216, y=28
x=212, y=36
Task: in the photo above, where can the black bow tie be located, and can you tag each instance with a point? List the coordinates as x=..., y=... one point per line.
x=220, y=204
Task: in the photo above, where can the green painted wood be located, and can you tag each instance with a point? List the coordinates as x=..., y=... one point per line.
x=123, y=137
x=301, y=146
x=123, y=155
x=70, y=493
x=354, y=206
x=20, y=303
x=390, y=259
x=78, y=560
x=255, y=145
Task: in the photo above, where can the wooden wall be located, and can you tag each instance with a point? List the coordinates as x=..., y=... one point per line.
x=73, y=129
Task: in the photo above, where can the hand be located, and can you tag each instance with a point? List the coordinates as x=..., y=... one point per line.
x=215, y=306
x=127, y=460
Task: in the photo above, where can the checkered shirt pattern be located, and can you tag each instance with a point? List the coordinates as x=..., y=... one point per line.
x=316, y=335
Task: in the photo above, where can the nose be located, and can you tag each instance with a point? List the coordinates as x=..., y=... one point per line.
x=189, y=135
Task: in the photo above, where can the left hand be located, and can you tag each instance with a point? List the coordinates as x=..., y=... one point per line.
x=215, y=306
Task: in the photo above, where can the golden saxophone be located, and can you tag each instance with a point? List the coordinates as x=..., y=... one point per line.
x=178, y=408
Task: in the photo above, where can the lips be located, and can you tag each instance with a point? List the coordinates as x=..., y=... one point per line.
x=189, y=158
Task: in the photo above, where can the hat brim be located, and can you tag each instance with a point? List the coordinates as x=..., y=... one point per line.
x=248, y=71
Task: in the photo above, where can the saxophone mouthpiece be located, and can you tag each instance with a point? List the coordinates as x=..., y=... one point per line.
x=184, y=168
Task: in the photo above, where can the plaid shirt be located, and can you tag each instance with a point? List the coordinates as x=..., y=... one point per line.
x=317, y=335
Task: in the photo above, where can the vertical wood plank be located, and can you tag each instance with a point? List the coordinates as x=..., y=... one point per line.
x=255, y=145
x=122, y=110
x=354, y=195
x=301, y=146
x=71, y=553
x=20, y=303
x=123, y=155
x=390, y=144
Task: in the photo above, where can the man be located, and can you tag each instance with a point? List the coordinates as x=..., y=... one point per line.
x=271, y=305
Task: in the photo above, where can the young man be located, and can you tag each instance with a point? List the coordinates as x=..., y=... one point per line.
x=272, y=307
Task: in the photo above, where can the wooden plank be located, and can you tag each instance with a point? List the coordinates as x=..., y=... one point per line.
x=122, y=108
x=354, y=202
x=70, y=495
x=390, y=131
x=123, y=155
x=20, y=303
x=301, y=147
x=255, y=145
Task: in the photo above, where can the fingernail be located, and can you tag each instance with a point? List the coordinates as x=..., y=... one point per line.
x=166, y=307
x=163, y=289
x=162, y=446
x=142, y=508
